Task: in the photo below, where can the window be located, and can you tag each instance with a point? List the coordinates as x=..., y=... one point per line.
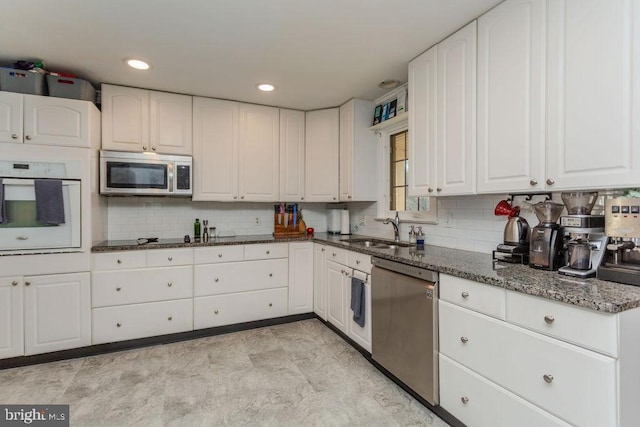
x=399, y=168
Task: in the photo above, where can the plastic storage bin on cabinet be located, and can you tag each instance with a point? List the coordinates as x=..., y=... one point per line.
x=22, y=81
x=67, y=87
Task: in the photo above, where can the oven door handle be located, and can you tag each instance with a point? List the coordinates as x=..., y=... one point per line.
x=31, y=182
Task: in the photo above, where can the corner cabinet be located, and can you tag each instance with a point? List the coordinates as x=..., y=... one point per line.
x=442, y=117
x=321, y=155
x=359, y=153
x=144, y=120
x=292, y=167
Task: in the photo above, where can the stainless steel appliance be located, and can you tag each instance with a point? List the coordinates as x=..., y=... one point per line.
x=404, y=324
x=545, y=247
x=515, y=246
x=586, y=246
x=145, y=174
x=622, y=226
x=20, y=230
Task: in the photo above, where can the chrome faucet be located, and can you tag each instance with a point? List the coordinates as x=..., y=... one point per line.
x=396, y=226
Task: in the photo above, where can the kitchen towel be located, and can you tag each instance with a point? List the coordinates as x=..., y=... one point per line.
x=3, y=211
x=49, y=202
x=358, y=300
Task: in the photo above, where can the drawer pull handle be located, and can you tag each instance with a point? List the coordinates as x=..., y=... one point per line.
x=215, y=312
x=550, y=181
x=169, y=284
x=270, y=305
x=170, y=258
x=27, y=283
x=14, y=283
x=144, y=147
x=219, y=255
x=216, y=280
x=357, y=261
x=118, y=325
x=118, y=289
x=267, y=252
x=533, y=182
x=464, y=340
x=464, y=400
x=170, y=318
x=548, y=378
x=549, y=319
x=119, y=261
x=465, y=294
x=270, y=274
x=333, y=254
x=28, y=137
x=14, y=136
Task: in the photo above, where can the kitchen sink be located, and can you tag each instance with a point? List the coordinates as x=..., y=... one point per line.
x=375, y=243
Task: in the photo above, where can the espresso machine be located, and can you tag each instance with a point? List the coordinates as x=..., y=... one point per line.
x=622, y=226
x=587, y=240
x=547, y=238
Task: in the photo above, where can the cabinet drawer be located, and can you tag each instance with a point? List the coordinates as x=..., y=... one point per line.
x=127, y=322
x=266, y=251
x=239, y=307
x=587, y=328
x=359, y=261
x=216, y=254
x=574, y=384
x=119, y=260
x=336, y=255
x=475, y=296
x=214, y=279
x=169, y=257
x=137, y=286
x=474, y=400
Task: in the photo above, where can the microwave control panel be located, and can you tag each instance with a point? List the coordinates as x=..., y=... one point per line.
x=183, y=177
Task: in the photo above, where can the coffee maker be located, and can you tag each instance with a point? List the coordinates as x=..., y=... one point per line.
x=587, y=242
x=515, y=246
x=622, y=227
x=546, y=241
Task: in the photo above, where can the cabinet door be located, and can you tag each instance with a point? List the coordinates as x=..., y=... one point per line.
x=320, y=281
x=511, y=97
x=11, y=117
x=11, y=317
x=170, y=123
x=593, y=73
x=215, y=149
x=57, y=312
x=259, y=153
x=125, y=118
x=456, y=146
x=347, y=112
x=321, y=155
x=360, y=334
x=291, y=155
x=336, y=296
x=56, y=121
x=423, y=100
x=301, y=277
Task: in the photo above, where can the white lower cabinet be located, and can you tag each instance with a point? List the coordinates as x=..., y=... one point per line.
x=224, y=278
x=44, y=313
x=320, y=280
x=336, y=295
x=127, y=322
x=301, y=277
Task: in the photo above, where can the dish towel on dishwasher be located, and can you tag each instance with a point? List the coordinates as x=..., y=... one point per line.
x=49, y=202
x=358, y=300
x=3, y=211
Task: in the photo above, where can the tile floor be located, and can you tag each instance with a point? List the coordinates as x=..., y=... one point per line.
x=297, y=374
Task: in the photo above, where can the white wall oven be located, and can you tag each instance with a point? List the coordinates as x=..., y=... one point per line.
x=40, y=207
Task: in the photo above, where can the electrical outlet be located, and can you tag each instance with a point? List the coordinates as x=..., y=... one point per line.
x=448, y=218
x=258, y=220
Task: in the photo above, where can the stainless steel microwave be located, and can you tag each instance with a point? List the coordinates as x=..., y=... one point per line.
x=145, y=174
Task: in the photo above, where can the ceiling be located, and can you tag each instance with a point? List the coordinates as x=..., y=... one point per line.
x=317, y=53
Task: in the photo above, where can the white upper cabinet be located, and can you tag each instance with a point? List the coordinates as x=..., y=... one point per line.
x=259, y=153
x=215, y=149
x=456, y=140
x=143, y=120
x=321, y=155
x=359, y=152
x=511, y=97
x=423, y=81
x=292, y=124
x=593, y=96
x=44, y=120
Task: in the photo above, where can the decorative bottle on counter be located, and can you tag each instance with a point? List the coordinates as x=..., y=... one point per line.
x=412, y=235
x=196, y=230
x=420, y=239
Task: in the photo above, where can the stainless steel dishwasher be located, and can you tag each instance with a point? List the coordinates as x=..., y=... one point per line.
x=404, y=324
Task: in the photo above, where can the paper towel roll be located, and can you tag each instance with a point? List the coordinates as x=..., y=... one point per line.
x=344, y=222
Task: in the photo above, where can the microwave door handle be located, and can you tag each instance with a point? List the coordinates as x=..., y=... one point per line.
x=170, y=173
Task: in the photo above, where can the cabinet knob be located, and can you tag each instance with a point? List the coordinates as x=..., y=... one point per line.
x=118, y=289
x=550, y=181
x=533, y=182
x=348, y=197
x=322, y=250
x=242, y=197
x=170, y=318
x=548, y=378
x=235, y=197
x=270, y=305
x=438, y=189
x=144, y=147
x=153, y=148
x=464, y=399
x=357, y=261
x=549, y=319
x=215, y=312
x=169, y=284
x=464, y=340
x=14, y=136
x=219, y=255
x=216, y=280
x=118, y=324
x=301, y=198
x=170, y=258
x=270, y=274
x=119, y=261
x=333, y=254
x=14, y=283
x=430, y=190
x=267, y=252
x=465, y=294
x=28, y=137
x=334, y=198
x=27, y=283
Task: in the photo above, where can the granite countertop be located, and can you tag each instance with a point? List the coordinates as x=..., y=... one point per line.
x=593, y=294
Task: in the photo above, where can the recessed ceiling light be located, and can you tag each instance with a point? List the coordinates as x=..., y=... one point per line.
x=137, y=64
x=388, y=84
x=266, y=87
